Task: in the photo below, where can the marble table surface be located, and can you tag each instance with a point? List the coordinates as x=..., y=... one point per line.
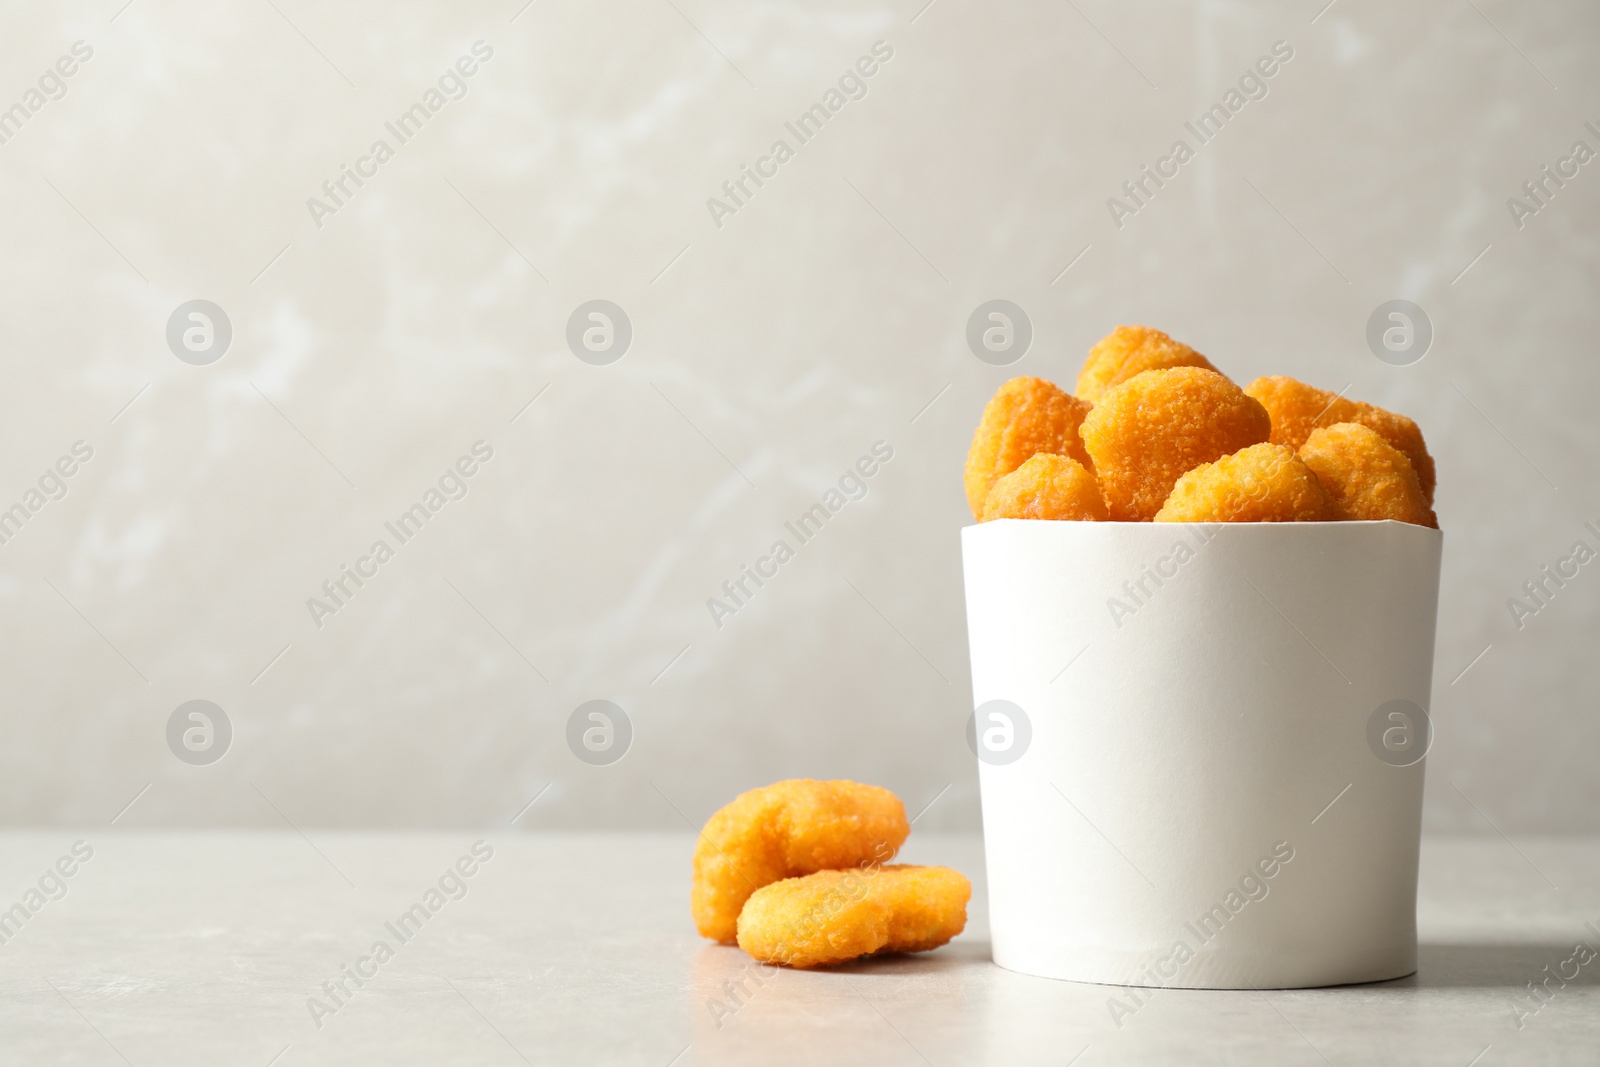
x=179, y=948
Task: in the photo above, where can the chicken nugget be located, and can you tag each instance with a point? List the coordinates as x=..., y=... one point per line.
x=1297, y=409
x=1147, y=432
x=822, y=918
x=1262, y=483
x=835, y=916
x=1366, y=476
x=1046, y=487
x=783, y=830
x=1024, y=417
x=1130, y=350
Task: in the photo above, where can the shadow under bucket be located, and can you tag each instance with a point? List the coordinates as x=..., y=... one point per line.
x=1202, y=747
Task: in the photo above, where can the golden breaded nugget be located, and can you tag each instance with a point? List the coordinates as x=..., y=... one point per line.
x=1366, y=476
x=1024, y=417
x=822, y=918
x=1297, y=409
x=1147, y=432
x=1262, y=483
x=783, y=830
x=834, y=916
x=1130, y=350
x=1046, y=487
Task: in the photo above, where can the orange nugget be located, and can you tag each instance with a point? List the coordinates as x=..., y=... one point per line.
x=1024, y=417
x=1297, y=409
x=783, y=830
x=1367, y=477
x=1147, y=432
x=1130, y=350
x=1046, y=487
x=835, y=916
x=1262, y=483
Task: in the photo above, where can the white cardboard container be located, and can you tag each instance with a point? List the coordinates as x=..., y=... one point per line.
x=1197, y=717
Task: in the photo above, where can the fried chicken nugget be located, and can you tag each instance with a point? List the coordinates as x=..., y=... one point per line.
x=835, y=916
x=1046, y=487
x=1150, y=430
x=1130, y=350
x=1366, y=476
x=1024, y=417
x=783, y=830
x=1262, y=483
x=1297, y=408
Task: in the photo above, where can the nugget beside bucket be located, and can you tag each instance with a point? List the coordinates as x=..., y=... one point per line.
x=1202, y=747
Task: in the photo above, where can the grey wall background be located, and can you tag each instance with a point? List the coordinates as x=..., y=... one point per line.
x=769, y=354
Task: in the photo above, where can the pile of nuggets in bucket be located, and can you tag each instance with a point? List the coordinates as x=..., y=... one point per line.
x=796, y=873
x=1156, y=433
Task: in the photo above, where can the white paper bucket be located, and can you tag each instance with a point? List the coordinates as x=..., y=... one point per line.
x=1214, y=779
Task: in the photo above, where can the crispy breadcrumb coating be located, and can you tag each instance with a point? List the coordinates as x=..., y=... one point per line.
x=1297, y=409
x=1024, y=417
x=1130, y=350
x=1262, y=483
x=834, y=916
x=1367, y=477
x=929, y=907
x=783, y=830
x=826, y=917
x=1150, y=430
x=1046, y=487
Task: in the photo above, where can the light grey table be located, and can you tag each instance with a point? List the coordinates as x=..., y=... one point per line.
x=208, y=948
